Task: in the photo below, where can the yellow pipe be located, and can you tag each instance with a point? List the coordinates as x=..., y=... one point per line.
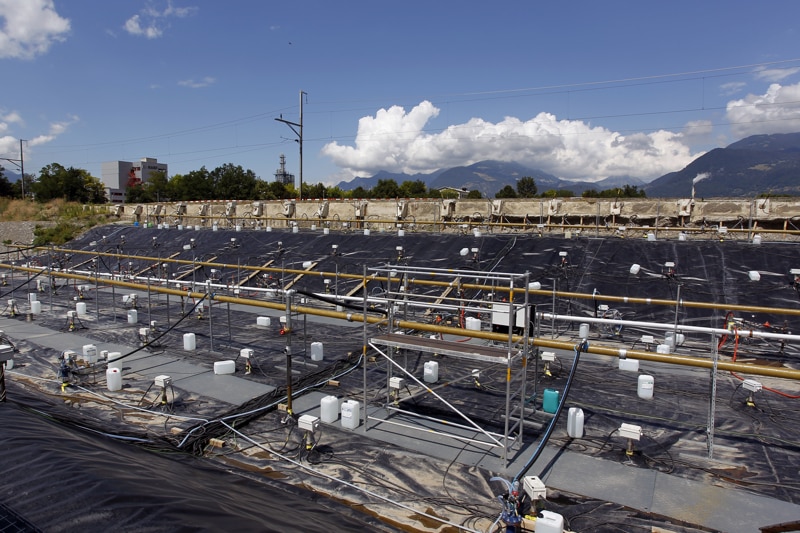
x=681, y=360
x=434, y=283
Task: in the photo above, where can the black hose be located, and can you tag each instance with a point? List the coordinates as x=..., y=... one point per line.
x=582, y=346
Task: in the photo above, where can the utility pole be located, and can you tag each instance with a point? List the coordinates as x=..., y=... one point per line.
x=22, y=168
x=298, y=130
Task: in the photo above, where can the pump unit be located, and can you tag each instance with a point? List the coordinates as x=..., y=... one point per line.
x=230, y=209
x=685, y=207
x=322, y=210
x=162, y=381
x=361, y=209
x=258, y=209
x=180, y=208
x=497, y=208
x=202, y=210
x=449, y=208
x=289, y=208
x=402, y=209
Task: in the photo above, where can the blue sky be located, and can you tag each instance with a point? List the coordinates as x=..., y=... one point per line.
x=582, y=89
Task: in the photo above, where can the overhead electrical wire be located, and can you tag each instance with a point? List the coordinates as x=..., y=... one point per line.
x=532, y=91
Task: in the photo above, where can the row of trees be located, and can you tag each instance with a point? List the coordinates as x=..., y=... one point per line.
x=526, y=188
x=55, y=181
x=232, y=182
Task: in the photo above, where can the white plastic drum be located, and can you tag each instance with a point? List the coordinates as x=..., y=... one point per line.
x=316, y=351
x=114, y=379
x=189, y=342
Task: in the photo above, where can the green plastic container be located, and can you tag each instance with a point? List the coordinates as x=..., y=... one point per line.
x=550, y=401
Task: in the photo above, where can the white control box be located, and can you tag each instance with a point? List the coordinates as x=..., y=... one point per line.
x=630, y=431
x=308, y=423
x=534, y=488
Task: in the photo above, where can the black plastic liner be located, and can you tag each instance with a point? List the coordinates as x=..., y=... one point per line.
x=57, y=479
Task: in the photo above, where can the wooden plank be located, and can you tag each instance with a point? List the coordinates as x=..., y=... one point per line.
x=255, y=273
x=195, y=269
x=142, y=272
x=444, y=295
x=300, y=276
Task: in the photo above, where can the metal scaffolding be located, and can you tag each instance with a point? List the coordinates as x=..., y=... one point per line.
x=513, y=315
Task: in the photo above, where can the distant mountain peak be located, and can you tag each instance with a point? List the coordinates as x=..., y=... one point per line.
x=760, y=164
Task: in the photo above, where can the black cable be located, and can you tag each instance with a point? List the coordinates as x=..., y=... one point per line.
x=146, y=345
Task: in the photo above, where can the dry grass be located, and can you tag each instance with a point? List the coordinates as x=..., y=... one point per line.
x=21, y=210
x=67, y=219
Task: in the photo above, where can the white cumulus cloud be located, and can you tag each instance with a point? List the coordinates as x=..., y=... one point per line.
x=9, y=144
x=151, y=22
x=396, y=141
x=776, y=111
x=29, y=28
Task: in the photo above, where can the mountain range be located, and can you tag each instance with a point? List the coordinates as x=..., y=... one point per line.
x=756, y=165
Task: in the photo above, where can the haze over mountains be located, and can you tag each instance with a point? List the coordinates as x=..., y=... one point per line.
x=761, y=164
x=756, y=165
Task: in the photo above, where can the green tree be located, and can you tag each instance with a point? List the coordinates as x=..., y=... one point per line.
x=526, y=187
x=26, y=180
x=474, y=194
x=558, y=193
x=273, y=190
x=359, y=192
x=95, y=190
x=233, y=182
x=314, y=191
x=196, y=185
x=6, y=188
x=55, y=181
x=138, y=194
x=385, y=189
x=632, y=191
x=506, y=192
x=413, y=189
x=590, y=193
x=158, y=186
x=334, y=192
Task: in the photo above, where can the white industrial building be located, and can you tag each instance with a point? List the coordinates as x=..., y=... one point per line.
x=116, y=175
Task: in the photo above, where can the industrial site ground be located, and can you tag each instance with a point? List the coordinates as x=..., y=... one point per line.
x=211, y=451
